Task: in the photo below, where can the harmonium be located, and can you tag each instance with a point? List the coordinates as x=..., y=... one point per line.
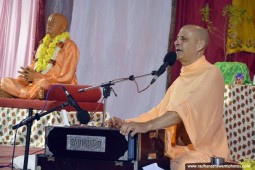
x=79, y=147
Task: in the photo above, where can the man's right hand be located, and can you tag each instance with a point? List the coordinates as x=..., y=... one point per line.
x=115, y=122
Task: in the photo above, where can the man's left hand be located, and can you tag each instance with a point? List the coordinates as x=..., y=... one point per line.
x=134, y=128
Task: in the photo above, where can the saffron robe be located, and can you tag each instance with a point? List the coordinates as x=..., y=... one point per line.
x=197, y=96
x=62, y=72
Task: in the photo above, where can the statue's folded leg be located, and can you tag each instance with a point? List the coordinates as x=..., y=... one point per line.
x=40, y=94
x=14, y=87
x=4, y=94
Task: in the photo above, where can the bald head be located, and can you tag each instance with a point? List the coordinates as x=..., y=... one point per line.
x=191, y=43
x=56, y=24
x=200, y=33
x=62, y=20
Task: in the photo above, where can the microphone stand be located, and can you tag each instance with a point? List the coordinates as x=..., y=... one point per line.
x=29, y=126
x=107, y=89
x=28, y=121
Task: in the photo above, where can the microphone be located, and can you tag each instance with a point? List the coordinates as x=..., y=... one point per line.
x=169, y=60
x=82, y=115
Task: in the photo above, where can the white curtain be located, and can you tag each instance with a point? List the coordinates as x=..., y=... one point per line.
x=17, y=30
x=119, y=38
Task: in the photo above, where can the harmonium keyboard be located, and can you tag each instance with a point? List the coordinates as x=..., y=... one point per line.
x=101, y=143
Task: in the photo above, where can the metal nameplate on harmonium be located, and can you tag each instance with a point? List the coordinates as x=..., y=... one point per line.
x=102, y=143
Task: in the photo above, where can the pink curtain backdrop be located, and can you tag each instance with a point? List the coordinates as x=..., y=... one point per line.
x=188, y=12
x=17, y=30
x=40, y=23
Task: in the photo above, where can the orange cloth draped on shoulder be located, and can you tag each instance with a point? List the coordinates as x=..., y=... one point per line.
x=63, y=72
x=197, y=96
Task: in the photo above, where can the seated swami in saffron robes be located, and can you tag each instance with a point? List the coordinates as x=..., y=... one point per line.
x=55, y=62
x=195, y=99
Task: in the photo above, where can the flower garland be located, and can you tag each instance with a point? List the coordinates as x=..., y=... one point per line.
x=48, y=51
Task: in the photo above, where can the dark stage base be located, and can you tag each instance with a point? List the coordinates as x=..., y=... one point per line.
x=49, y=163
